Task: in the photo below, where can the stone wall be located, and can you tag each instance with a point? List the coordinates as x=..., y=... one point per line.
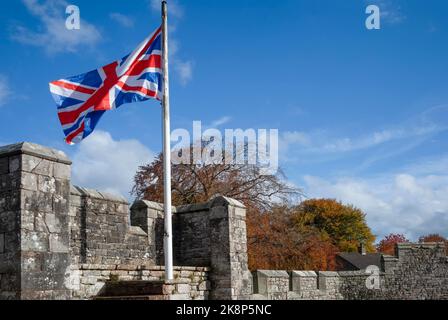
x=58, y=241
x=418, y=271
x=50, y=230
x=208, y=234
x=10, y=178
x=190, y=283
x=100, y=232
x=34, y=199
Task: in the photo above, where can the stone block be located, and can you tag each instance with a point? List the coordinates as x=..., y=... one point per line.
x=61, y=171
x=4, y=165
x=46, y=184
x=304, y=281
x=183, y=288
x=14, y=163
x=58, y=243
x=169, y=289
x=32, y=261
x=8, y=221
x=34, y=241
x=183, y=296
x=2, y=242
x=204, y=285
x=52, y=222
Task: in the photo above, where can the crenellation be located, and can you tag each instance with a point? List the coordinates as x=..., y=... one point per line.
x=59, y=241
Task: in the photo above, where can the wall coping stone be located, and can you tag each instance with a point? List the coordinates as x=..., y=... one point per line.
x=389, y=258
x=141, y=204
x=74, y=191
x=36, y=150
x=221, y=201
x=273, y=273
x=123, y=267
x=428, y=245
x=190, y=208
x=304, y=273
x=135, y=230
x=91, y=193
x=328, y=274
x=354, y=273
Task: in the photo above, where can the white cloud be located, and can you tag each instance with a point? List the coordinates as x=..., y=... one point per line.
x=219, y=122
x=54, y=36
x=391, y=12
x=184, y=71
x=107, y=164
x=5, y=92
x=122, y=19
x=378, y=145
x=322, y=142
x=414, y=205
x=183, y=68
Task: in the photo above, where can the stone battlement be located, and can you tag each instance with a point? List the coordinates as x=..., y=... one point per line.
x=59, y=241
x=418, y=271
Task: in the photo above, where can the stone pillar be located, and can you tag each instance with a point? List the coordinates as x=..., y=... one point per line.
x=34, y=205
x=230, y=276
x=148, y=215
x=273, y=284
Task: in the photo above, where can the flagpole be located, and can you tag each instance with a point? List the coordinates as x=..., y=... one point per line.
x=168, y=237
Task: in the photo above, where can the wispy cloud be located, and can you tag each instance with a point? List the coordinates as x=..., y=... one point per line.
x=321, y=142
x=122, y=19
x=323, y=145
x=401, y=202
x=101, y=154
x=183, y=68
x=219, y=122
x=54, y=36
x=391, y=12
x=5, y=91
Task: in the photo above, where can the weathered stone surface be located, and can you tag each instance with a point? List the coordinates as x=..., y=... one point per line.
x=37, y=232
x=34, y=241
x=28, y=148
x=2, y=243
x=14, y=164
x=58, y=241
x=274, y=284
x=4, y=165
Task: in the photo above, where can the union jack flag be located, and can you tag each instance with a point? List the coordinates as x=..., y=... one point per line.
x=83, y=99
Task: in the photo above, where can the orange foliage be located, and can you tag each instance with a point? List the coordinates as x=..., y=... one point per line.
x=275, y=243
x=434, y=238
x=387, y=245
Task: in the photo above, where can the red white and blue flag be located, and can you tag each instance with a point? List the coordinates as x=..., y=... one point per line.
x=83, y=99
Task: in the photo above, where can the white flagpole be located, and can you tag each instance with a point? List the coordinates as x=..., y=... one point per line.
x=168, y=237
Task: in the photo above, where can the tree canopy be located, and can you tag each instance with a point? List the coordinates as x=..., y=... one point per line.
x=283, y=232
x=387, y=245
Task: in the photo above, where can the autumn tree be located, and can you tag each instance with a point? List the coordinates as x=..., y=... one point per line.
x=195, y=183
x=434, y=238
x=343, y=225
x=268, y=243
x=387, y=245
x=280, y=233
x=275, y=243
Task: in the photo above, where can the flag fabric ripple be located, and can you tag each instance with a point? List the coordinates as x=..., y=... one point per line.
x=81, y=100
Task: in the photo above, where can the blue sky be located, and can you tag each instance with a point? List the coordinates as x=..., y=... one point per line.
x=362, y=114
